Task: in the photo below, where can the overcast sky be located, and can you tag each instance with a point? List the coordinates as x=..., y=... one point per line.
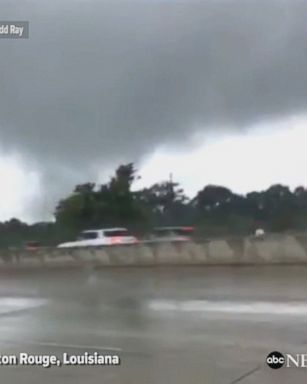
x=213, y=91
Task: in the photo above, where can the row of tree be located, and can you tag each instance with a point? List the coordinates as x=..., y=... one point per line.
x=115, y=203
x=215, y=210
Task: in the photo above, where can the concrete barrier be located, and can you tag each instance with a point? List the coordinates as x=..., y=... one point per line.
x=145, y=255
x=273, y=249
x=102, y=257
x=198, y=253
x=289, y=250
x=219, y=252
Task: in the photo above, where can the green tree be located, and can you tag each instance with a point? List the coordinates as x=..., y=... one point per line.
x=165, y=203
x=112, y=203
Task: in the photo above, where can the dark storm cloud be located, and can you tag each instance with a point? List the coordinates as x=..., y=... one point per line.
x=106, y=81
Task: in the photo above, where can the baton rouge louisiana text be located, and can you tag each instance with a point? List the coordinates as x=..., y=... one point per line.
x=47, y=361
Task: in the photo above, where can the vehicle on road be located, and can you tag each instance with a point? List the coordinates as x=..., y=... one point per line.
x=32, y=245
x=259, y=233
x=171, y=234
x=102, y=237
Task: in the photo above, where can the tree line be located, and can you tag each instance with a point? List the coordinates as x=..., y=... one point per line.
x=215, y=210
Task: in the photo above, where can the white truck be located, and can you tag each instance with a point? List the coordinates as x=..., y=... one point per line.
x=102, y=237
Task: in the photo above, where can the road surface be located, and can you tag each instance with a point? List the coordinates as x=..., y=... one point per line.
x=168, y=325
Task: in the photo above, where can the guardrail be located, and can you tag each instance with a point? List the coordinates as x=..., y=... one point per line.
x=272, y=249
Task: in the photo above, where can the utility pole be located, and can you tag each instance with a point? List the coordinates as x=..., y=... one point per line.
x=170, y=198
x=171, y=187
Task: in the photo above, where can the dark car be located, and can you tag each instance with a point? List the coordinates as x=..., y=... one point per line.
x=32, y=245
x=171, y=234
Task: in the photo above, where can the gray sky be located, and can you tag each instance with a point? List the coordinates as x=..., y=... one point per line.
x=101, y=82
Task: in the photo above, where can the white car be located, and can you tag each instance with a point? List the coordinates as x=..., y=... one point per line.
x=102, y=237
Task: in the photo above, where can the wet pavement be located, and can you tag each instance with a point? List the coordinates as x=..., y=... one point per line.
x=168, y=325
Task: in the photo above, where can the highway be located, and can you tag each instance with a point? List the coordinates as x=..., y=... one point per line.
x=168, y=325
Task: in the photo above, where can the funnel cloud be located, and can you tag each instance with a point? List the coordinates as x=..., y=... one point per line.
x=99, y=82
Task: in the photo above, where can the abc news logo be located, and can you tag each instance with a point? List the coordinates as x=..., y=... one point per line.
x=276, y=360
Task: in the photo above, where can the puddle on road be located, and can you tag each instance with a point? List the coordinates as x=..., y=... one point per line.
x=13, y=304
x=230, y=307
